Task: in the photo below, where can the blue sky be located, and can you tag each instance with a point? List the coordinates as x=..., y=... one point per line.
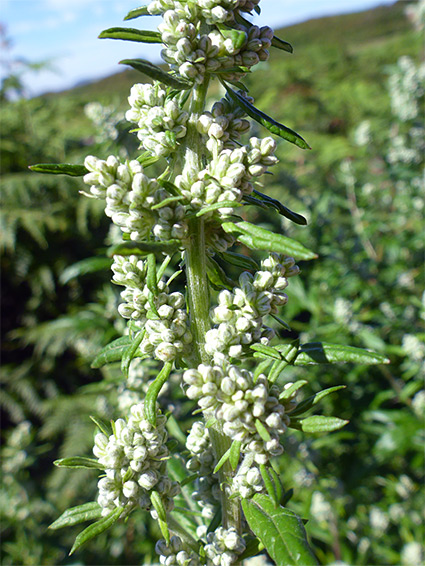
x=66, y=31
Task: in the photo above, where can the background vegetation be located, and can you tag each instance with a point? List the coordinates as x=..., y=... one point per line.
x=354, y=89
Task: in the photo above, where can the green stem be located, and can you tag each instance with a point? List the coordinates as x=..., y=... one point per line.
x=199, y=300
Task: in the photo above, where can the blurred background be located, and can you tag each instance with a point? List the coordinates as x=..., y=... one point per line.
x=354, y=88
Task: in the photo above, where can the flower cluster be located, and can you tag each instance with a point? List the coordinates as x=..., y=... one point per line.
x=161, y=122
x=193, y=53
x=134, y=460
x=175, y=554
x=229, y=175
x=202, y=461
x=239, y=314
x=162, y=318
x=250, y=411
x=130, y=196
x=223, y=547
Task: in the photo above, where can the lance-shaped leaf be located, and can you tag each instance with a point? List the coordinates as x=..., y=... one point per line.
x=280, y=44
x=217, y=206
x=269, y=482
x=76, y=515
x=153, y=392
x=283, y=210
x=103, y=427
x=324, y=353
x=131, y=34
x=217, y=276
x=239, y=260
x=131, y=352
x=79, y=462
x=258, y=238
x=293, y=388
x=234, y=454
x=222, y=461
x=318, y=423
x=314, y=399
x=156, y=73
x=237, y=37
x=147, y=159
x=96, y=528
x=113, y=352
x=259, y=116
x=137, y=12
x=276, y=369
x=266, y=351
x=59, y=169
x=280, y=530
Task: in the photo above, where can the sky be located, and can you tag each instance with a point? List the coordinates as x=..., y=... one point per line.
x=65, y=33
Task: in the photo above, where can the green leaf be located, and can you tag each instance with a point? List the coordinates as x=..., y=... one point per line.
x=143, y=248
x=166, y=202
x=281, y=322
x=293, y=388
x=222, y=461
x=280, y=530
x=277, y=484
x=324, y=353
x=217, y=276
x=261, y=368
x=131, y=34
x=147, y=159
x=113, y=352
x=159, y=505
x=314, y=399
x=79, y=462
x=266, y=351
x=276, y=369
x=103, y=427
x=283, y=210
x=156, y=73
x=262, y=430
x=318, y=423
x=131, y=352
x=259, y=116
x=151, y=278
x=280, y=44
x=269, y=484
x=153, y=392
x=237, y=37
x=88, y=265
x=234, y=454
x=76, y=515
x=96, y=528
x=243, y=261
x=137, y=12
x=257, y=238
x=59, y=169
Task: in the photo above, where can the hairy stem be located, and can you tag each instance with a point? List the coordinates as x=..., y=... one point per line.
x=199, y=300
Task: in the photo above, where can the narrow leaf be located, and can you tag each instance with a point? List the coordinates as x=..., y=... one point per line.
x=243, y=261
x=314, y=399
x=76, y=515
x=281, y=322
x=151, y=278
x=113, y=352
x=318, y=423
x=131, y=352
x=266, y=351
x=222, y=461
x=288, y=392
x=262, y=431
x=147, y=159
x=276, y=369
x=79, y=462
x=280, y=44
x=234, y=454
x=324, y=353
x=217, y=275
x=283, y=210
x=258, y=238
x=277, y=484
x=137, y=12
x=59, y=169
x=217, y=206
x=269, y=484
x=259, y=116
x=159, y=505
x=153, y=392
x=131, y=34
x=156, y=73
x=103, y=427
x=96, y=528
x=237, y=37
x=280, y=530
